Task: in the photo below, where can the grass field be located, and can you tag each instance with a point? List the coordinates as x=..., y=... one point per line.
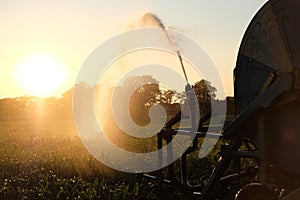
x=46, y=160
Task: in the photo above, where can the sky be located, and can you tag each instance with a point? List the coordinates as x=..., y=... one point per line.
x=68, y=31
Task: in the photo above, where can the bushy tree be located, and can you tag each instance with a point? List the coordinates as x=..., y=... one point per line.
x=205, y=93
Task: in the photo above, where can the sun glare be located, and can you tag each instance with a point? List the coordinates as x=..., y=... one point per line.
x=40, y=75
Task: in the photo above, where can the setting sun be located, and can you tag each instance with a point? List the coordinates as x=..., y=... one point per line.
x=40, y=75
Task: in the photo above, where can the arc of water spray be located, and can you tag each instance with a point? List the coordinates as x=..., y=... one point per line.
x=178, y=54
x=162, y=26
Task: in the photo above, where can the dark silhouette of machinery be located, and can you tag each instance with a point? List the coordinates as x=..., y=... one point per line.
x=267, y=97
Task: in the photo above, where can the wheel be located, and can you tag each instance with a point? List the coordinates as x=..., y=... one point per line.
x=255, y=191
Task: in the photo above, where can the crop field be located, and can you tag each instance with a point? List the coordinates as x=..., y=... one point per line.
x=42, y=157
x=45, y=159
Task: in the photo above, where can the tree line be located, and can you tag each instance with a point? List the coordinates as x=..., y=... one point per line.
x=144, y=96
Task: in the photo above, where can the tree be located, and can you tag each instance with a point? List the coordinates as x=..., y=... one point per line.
x=146, y=93
x=205, y=93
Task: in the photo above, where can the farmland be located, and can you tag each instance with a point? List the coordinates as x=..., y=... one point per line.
x=46, y=160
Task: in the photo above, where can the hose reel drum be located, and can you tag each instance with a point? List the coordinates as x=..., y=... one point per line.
x=269, y=49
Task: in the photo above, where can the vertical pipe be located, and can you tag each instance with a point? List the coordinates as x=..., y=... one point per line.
x=168, y=139
x=159, y=163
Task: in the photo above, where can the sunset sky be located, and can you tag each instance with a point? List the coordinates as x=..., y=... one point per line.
x=61, y=34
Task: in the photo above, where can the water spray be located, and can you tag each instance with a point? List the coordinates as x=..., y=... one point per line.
x=152, y=17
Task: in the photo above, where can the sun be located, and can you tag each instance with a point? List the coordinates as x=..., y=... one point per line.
x=40, y=75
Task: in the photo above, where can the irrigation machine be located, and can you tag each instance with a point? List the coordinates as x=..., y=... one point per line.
x=266, y=127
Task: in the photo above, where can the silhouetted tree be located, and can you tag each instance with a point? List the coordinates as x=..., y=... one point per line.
x=205, y=93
